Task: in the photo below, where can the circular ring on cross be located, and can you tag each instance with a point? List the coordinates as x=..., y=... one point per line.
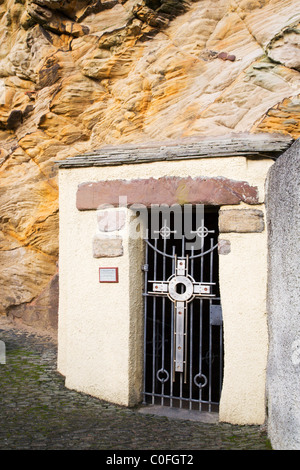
x=183, y=283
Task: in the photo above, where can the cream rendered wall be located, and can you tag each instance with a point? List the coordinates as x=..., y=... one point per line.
x=100, y=326
x=243, y=287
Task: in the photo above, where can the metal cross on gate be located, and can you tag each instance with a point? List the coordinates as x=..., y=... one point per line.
x=181, y=289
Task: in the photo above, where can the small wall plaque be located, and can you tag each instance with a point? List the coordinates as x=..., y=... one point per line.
x=108, y=275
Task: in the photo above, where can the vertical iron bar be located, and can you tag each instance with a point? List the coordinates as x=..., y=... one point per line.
x=185, y=332
x=210, y=327
x=201, y=325
x=184, y=364
x=145, y=318
x=163, y=323
x=182, y=246
x=172, y=372
x=154, y=327
x=191, y=309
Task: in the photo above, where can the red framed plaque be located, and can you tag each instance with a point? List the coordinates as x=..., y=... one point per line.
x=108, y=275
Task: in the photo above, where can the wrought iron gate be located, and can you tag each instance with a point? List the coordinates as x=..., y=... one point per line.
x=183, y=344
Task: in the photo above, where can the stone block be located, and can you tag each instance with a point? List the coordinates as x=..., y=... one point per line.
x=111, y=220
x=106, y=247
x=241, y=221
x=166, y=190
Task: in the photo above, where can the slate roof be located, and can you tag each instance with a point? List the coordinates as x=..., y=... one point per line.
x=249, y=145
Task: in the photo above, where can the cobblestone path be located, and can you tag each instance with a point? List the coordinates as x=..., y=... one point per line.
x=37, y=412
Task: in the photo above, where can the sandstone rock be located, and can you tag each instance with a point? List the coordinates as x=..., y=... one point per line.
x=285, y=47
x=62, y=128
x=76, y=75
x=76, y=9
x=284, y=117
x=56, y=22
x=42, y=311
x=29, y=273
x=148, y=16
x=77, y=93
x=14, y=119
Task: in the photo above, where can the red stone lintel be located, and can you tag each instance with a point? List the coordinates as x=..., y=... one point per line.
x=166, y=190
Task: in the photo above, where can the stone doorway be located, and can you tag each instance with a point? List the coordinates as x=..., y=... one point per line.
x=183, y=350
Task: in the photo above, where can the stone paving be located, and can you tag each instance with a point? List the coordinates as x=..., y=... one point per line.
x=37, y=412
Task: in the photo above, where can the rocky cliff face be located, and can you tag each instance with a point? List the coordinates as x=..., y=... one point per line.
x=77, y=74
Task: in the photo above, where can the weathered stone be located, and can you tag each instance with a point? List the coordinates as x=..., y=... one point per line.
x=224, y=247
x=49, y=74
x=65, y=6
x=153, y=4
x=147, y=15
x=56, y=22
x=14, y=119
x=77, y=9
x=29, y=273
x=76, y=95
x=109, y=221
x=107, y=247
x=41, y=312
x=225, y=56
x=284, y=117
x=173, y=7
x=285, y=47
x=76, y=75
x=166, y=190
x=241, y=220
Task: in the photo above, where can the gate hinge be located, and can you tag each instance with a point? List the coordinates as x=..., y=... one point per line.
x=145, y=267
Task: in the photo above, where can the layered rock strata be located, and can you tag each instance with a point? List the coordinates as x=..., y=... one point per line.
x=76, y=75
